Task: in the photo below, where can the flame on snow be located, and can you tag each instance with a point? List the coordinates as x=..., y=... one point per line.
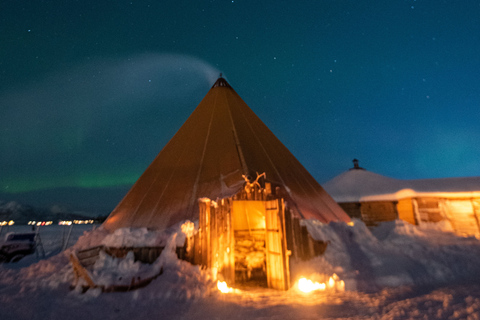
x=222, y=286
x=333, y=283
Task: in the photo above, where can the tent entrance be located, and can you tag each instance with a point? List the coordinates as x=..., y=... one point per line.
x=244, y=242
x=250, y=249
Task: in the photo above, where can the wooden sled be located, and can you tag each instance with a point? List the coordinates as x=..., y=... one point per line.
x=83, y=260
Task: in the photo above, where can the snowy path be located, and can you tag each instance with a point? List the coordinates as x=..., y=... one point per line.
x=403, y=272
x=450, y=302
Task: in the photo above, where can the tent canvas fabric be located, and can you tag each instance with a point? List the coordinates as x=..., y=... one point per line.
x=221, y=141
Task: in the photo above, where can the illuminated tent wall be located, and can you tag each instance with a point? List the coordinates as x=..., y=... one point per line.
x=375, y=198
x=221, y=141
x=225, y=168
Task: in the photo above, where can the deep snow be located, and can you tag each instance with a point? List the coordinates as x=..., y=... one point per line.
x=397, y=271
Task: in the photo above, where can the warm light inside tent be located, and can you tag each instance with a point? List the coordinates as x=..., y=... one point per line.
x=333, y=283
x=222, y=286
x=253, y=216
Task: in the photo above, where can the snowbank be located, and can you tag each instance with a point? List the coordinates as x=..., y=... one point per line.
x=397, y=271
x=395, y=254
x=142, y=237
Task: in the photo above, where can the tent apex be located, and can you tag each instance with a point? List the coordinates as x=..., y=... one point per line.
x=221, y=82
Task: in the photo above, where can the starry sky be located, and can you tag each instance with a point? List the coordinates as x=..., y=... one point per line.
x=90, y=91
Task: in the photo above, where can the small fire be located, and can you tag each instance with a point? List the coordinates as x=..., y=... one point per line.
x=222, y=286
x=307, y=285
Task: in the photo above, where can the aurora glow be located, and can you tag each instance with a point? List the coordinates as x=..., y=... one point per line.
x=63, y=128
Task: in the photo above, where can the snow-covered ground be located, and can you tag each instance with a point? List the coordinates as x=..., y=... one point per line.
x=397, y=271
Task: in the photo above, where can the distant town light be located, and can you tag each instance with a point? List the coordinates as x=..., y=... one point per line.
x=69, y=223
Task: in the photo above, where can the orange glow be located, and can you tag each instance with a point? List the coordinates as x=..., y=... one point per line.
x=222, y=286
x=333, y=283
x=188, y=228
x=306, y=285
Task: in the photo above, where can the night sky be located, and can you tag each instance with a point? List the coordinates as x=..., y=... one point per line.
x=90, y=91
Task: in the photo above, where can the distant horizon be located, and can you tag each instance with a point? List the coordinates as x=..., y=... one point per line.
x=96, y=201
x=45, y=198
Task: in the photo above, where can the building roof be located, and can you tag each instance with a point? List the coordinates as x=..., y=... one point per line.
x=221, y=141
x=362, y=185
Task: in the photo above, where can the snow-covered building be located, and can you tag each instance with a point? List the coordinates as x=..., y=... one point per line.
x=375, y=198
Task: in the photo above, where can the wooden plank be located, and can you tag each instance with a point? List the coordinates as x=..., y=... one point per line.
x=199, y=236
x=231, y=243
x=213, y=237
x=285, y=251
x=378, y=211
x=197, y=258
x=275, y=255
x=429, y=209
x=88, y=253
x=306, y=251
x=320, y=247
x=476, y=212
x=204, y=233
x=462, y=217
x=298, y=239
x=352, y=209
x=405, y=211
x=226, y=242
x=289, y=232
x=80, y=271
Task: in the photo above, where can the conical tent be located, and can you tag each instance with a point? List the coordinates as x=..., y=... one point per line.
x=222, y=140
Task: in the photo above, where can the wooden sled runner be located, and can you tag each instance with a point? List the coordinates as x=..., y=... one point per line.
x=82, y=262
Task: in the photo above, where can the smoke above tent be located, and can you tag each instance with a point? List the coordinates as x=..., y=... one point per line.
x=68, y=121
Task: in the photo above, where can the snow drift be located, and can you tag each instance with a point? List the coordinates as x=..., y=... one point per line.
x=397, y=271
